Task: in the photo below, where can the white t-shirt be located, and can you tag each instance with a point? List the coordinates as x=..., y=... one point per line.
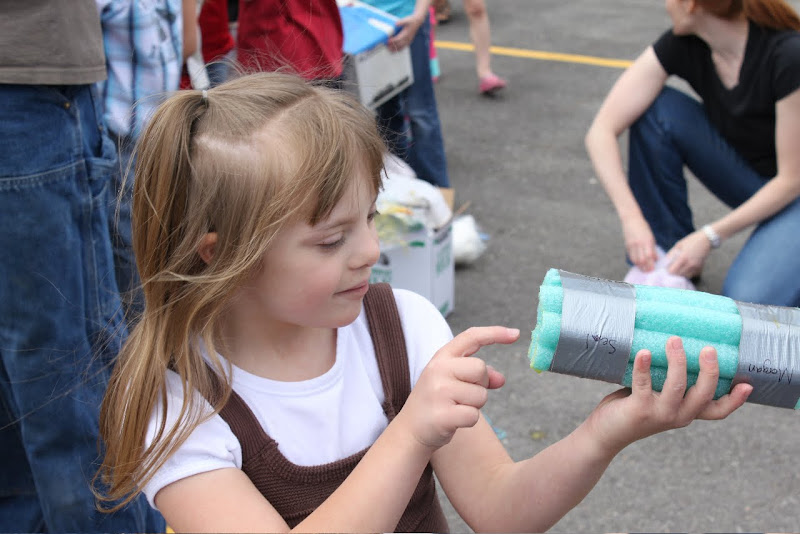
x=315, y=421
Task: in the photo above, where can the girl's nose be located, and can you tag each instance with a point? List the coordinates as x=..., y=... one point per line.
x=369, y=248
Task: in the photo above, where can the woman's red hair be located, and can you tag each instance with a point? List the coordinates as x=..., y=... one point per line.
x=773, y=14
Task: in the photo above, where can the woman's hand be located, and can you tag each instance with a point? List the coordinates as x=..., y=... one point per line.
x=408, y=30
x=453, y=387
x=640, y=243
x=631, y=414
x=689, y=255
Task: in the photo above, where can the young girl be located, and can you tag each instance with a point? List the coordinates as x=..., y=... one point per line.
x=250, y=396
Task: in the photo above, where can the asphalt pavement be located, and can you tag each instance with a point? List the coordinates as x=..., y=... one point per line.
x=519, y=160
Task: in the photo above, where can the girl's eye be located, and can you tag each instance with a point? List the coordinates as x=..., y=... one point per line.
x=373, y=214
x=330, y=245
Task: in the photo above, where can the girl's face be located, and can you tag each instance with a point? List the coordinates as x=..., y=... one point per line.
x=316, y=276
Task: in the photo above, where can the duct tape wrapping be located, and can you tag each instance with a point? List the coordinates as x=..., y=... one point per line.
x=769, y=354
x=597, y=322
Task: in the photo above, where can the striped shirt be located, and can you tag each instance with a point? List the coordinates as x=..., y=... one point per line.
x=143, y=45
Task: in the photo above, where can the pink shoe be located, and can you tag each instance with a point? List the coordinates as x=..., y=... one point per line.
x=490, y=84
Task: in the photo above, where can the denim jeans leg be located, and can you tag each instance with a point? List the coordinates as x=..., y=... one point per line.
x=655, y=172
x=767, y=269
x=391, y=117
x=675, y=132
x=125, y=269
x=219, y=70
x=18, y=500
x=426, y=153
x=60, y=319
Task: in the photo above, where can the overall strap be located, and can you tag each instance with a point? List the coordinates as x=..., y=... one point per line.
x=424, y=512
x=386, y=331
x=240, y=418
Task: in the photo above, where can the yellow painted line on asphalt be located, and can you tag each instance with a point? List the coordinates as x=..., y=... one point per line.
x=538, y=54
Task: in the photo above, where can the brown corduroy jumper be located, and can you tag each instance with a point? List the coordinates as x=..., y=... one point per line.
x=295, y=491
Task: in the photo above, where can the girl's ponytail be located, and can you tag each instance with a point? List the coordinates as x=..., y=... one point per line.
x=163, y=176
x=161, y=191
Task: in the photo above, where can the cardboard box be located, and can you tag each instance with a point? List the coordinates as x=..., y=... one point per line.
x=423, y=264
x=371, y=71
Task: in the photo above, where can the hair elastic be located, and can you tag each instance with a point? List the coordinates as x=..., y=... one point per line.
x=205, y=96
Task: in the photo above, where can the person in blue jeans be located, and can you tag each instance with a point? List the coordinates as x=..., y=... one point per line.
x=137, y=82
x=424, y=151
x=740, y=140
x=60, y=318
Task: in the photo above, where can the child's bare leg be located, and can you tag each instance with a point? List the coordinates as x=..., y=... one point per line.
x=481, y=35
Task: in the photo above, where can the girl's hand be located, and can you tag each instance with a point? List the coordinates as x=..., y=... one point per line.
x=689, y=254
x=408, y=30
x=453, y=387
x=640, y=243
x=631, y=414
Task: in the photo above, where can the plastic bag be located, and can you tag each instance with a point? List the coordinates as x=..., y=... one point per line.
x=659, y=276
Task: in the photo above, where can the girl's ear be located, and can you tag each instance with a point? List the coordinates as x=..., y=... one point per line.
x=207, y=247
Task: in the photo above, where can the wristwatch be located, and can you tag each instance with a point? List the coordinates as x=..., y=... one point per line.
x=712, y=236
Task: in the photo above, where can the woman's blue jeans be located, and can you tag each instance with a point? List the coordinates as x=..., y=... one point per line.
x=424, y=152
x=675, y=132
x=61, y=324
x=125, y=270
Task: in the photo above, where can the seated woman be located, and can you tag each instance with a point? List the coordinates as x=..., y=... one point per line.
x=742, y=57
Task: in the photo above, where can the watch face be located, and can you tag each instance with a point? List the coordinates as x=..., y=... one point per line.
x=712, y=236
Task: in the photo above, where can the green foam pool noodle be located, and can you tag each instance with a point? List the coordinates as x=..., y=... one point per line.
x=700, y=319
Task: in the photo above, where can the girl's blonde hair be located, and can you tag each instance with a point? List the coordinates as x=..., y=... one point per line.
x=254, y=153
x=773, y=14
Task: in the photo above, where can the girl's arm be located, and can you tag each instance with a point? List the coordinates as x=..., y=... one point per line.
x=628, y=99
x=448, y=395
x=775, y=195
x=492, y=493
